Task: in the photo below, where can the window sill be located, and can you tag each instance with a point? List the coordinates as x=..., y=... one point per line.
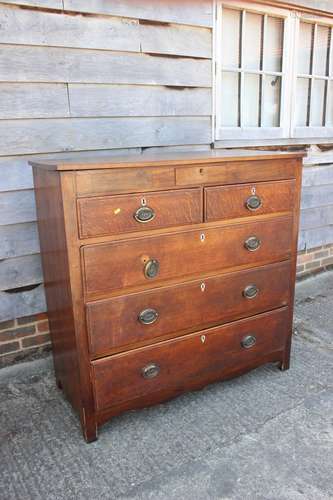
x=314, y=157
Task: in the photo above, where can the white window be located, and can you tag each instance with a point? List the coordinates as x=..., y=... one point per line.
x=274, y=74
x=313, y=115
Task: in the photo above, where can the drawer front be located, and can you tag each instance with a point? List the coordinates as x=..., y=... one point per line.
x=124, y=179
x=237, y=172
x=145, y=262
x=178, y=363
x=227, y=202
x=145, y=316
x=138, y=212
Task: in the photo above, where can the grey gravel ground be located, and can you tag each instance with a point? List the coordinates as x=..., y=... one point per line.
x=266, y=435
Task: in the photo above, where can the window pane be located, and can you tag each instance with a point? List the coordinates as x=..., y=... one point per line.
x=305, y=48
x=250, y=105
x=302, y=96
x=252, y=41
x=321, y=51
x=271, y=105
x=318, y=103
x=230, y=100
x=230, y=38
x=273, y=44
x=329, y=111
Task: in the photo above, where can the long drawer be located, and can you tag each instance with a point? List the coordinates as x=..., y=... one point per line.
x=103, y=215
x=146, y=316
x=177, y=364
x=145, y=262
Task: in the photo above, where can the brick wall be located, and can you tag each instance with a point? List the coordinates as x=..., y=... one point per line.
x=24, y=339
x=314, y=261
x=27, y=338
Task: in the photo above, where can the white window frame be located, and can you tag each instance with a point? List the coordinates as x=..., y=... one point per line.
x=287, y=132
x=311, y=131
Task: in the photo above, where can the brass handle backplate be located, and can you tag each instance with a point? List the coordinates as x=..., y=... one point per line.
x=248, y=341
x=144, y=214
x=250, y=291
x=151, y=268
x=148, y=316
x=252, y=243
x=253, y=203
x=150, y=371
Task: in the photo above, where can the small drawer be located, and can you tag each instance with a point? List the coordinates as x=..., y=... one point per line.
x=177, y=365
x=236, y=172
x=138, y=212
x=132, y=180
x=244, y=200
x=146, y=261
x=146, y=316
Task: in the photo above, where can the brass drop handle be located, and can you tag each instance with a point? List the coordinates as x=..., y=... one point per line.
x=144, y=214
x=151, y=268
x=252, y=243
x=248, y=341
x=150, y=371
x=250, y=291
x=148, y=316
x=253, y=203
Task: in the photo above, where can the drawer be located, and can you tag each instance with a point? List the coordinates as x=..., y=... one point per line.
x=236, y=172
x=146, y=261
x=93, y=182
x=244, y=200
x=180, y=363
x=146, y=316
x=137, y=212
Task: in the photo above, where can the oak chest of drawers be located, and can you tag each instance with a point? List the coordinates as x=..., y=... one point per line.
x=166, y=273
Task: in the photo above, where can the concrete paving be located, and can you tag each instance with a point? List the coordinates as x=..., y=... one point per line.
x=264, y=436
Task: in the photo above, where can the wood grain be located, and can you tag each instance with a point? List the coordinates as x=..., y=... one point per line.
x=228, y=202
x=262, y=170
x=115, y=214
x=20, y=63
x=119, y=265
x=138, y=100
x=18, y=239
x=183, y=11
x=113, y=323
x=45, y=28
x=186, y=359
x=24, y=302
x=39, y=136
x=33, y=100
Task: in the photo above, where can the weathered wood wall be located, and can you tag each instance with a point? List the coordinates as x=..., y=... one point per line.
x=81, y=78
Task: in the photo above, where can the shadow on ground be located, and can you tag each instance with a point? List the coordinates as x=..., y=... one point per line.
x=266, y=435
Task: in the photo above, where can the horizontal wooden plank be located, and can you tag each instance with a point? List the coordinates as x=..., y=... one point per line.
x=39, y=136
x=16, y=173
x=33, y=100
x=23, y=303
x=318, y=196
x=50, y=4
x=18, y=240
x=325, y=5
x=20, y=271
x=138, y=100
x=317, y=217
x=31, y=27
x=182, y=11
x=318, y=175
x=17, y=207
x=54, y=64
x=313, y=238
